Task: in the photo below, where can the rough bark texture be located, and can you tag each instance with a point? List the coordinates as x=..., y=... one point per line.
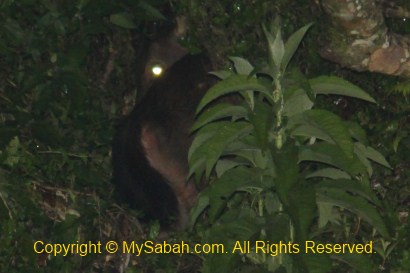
x=359, y=39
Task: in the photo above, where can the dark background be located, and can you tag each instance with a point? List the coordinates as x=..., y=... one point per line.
x=69, y=70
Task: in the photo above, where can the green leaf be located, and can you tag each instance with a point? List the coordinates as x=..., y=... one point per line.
x=356, y=204
x=324, y=125
x=236, y=227
x=326, y=214
x=233, y=180
x=347, y=185
x=292, y=44
x=197, y=168
x=220, y=263
x=301, y=208
x=373, y=155
x=242, y=66
x=360, y=151
x=277, y=49
x=287, y=171
x=200, y=139
x=311, y=131
x=262, y=121
x=273, y=206
x=331, y=85
x=233, y=84
x=220, y=135
x=224, y=165
x=399, y=137
x=356, y=131
x=201, y=204
x=276, y=46
x=316, y=263
x=196, y=165
x=329, y=173
x=254, y=157
x=221, y=74
x=12, y=153
x=122, y=19
x=360, y=262
x=217, y=112
x=296, y=102
x=332, y=155
x=156, y=14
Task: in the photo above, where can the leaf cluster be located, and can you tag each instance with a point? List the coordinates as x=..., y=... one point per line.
x=284, y=170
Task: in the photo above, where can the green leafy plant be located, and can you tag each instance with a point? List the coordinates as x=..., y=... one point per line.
x=282, y=170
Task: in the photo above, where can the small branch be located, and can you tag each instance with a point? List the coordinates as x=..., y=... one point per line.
x=55, y=190
x=63, y=153
x=109, y=67
x=3, y=198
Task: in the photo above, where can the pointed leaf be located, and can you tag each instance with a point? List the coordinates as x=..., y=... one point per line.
x=332, y=155
x=199, y=140
x=122, y=19
x=277, y=49
x=151, y=10
x=274, y=47
x=311, y=131
x=373, y=155
x=296, y=102
x=251, y=156
x=356, y=131
x=221, y=74
x=317, y=263
x=262, y=121
x=329, y=173
x=233, y=84
x=360, y=151
x=201, y=204
x=360, y=262
x=356, y=204
x=223, y=133
x=329, y=128
x=197, y=168
x=242, y=66
x=224, y=165
x=292, y=44
x=233, y=180
x=336, y=86
x=347, y=185
x=326, y=214
x=219, y=111
x=287, y=170
x=302, y=208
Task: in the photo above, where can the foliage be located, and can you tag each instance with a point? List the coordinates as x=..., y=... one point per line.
x=234, y=29
x=62, y=76
x=66, y=69
x=285, y=171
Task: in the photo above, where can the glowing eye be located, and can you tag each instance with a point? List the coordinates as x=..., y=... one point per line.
x=156, y=70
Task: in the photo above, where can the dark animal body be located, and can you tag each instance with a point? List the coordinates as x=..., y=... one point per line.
x=163, y=50
x=151, y=145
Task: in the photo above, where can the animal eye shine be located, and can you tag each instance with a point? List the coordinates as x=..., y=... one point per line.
x=157, y=70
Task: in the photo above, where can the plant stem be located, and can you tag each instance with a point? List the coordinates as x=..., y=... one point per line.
x=279, y=102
